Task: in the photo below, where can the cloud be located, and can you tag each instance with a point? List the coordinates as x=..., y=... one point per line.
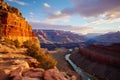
x=76, y=29
x=90, y=8
x=46, y=5
x=73, y=28
x=102, y=21
x=57, y=16
x=18, y=2
x=31, y=14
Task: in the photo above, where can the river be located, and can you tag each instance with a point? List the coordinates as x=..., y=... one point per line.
x=77, y=69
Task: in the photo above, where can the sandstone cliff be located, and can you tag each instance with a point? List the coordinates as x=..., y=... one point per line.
x=13, y=25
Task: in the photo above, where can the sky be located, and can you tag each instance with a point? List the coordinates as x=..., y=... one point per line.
x=79, y=16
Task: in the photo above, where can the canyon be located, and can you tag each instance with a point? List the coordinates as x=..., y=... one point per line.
x=101, y=61
x=23, y=62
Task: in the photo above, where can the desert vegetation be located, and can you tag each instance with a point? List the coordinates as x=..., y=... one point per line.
x=46, y=61
x=33, y=50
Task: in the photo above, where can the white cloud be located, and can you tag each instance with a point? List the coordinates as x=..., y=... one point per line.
x=31, y=13
x=58, y=16
x=18, y=2
x=58, y=13
x=46, y=5
x=102, y=21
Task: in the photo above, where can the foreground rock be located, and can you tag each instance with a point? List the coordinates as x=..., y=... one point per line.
x=20, y=67
x=38, y=74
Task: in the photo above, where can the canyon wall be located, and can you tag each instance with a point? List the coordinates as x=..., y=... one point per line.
x=13, y=25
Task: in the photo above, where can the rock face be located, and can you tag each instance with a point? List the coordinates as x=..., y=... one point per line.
x=13, y=25
x=101, y=61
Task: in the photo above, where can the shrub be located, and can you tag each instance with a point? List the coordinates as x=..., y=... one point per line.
x=17, y=43
x=46, y=61
x=27, y=44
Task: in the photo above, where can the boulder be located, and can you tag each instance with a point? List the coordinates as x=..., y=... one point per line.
x=53, y=74
x=17, y=72
x=34, y=73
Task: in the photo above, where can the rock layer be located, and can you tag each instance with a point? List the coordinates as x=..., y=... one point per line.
x=13, y=25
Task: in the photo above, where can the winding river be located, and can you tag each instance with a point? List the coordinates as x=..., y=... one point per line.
x=77, y=69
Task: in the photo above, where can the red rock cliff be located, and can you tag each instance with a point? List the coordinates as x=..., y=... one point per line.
x=13, y=25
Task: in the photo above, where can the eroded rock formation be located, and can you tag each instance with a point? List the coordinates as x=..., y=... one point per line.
x=13, y=25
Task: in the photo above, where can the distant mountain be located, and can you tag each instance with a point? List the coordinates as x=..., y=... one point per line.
x=92, y=35
x=109, y=38
x=52, y=39
x=105, y=39
x=57, y=36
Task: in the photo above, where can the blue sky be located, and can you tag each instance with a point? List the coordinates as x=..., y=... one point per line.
x=79, y=16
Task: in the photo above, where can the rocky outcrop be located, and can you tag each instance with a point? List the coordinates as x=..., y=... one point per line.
x=13, y=25
x=18, y=67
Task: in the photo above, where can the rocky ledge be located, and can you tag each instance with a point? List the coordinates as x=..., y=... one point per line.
x=16, y=66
